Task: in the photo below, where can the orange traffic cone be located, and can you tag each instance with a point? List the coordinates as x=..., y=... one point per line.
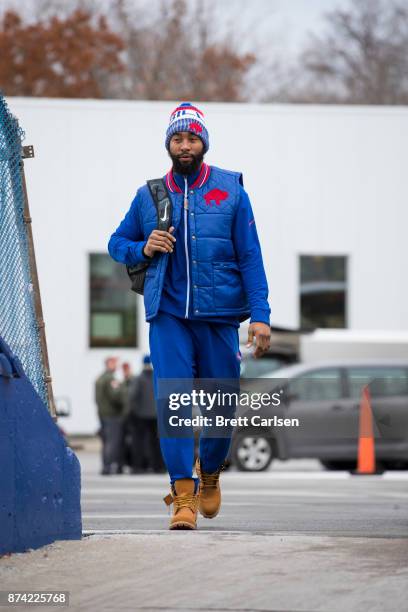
x=366, y=447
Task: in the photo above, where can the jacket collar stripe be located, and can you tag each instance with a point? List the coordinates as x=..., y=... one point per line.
x=205, y=177
x=199, y=182
x=168, y=182
x=171, y=183
x=202, y=177
x=199, y=177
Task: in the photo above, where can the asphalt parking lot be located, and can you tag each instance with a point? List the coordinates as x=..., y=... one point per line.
x=291, y=497
x=293, y=539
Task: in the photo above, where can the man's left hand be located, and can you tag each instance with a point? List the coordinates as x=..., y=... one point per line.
x=262, y=333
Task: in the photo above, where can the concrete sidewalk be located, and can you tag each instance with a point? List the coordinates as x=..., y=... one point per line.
x=218, y=571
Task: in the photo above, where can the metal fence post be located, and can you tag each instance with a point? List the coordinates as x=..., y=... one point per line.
x=28, y=152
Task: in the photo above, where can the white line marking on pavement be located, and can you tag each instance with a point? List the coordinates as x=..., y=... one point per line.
x=215, y=533
x=141, y=478
x=396, y=475
x=126, y=479
x=120, y=491
x=342, y=475
x=259, y=492
x=224, y=503
x=96, y=515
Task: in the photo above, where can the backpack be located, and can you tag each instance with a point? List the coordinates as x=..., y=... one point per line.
x=164, y=208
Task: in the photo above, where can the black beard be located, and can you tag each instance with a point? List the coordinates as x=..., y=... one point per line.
x=184, y=168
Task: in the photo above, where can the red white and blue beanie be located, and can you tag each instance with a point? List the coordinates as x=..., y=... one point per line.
x=187, y=118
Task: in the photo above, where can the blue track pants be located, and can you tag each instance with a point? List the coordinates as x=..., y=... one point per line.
x=185, y=349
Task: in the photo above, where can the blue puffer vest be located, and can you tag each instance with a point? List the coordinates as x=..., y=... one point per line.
x=215, y=277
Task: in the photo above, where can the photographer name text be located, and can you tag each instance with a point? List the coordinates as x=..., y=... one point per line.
x=242, y=421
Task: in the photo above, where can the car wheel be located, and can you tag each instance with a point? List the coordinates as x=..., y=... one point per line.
x=338, y=465
x=252, y=453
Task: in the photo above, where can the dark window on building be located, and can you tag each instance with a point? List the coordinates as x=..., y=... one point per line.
x=113, y=307
x=323, y=291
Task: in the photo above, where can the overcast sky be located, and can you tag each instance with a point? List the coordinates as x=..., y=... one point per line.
x=280, y=23
x=293, y=17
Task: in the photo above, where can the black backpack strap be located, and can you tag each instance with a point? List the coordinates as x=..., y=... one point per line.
x=164, y=208
x=162, y=201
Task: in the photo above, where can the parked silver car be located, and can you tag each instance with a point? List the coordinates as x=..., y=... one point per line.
x=325, y=398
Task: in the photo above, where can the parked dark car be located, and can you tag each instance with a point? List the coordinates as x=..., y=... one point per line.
x=253, y=368
x=326, y=400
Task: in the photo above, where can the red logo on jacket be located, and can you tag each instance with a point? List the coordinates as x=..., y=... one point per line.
x=215, y=195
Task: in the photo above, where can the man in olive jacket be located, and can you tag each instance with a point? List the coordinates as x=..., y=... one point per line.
x=108, y=398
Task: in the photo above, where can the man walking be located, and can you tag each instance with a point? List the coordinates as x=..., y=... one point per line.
x=205, y=276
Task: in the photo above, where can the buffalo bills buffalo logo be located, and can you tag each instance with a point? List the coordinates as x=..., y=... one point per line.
x=215, y=195
x=194, y=126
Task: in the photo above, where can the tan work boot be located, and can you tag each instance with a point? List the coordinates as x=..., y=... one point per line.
x=185, y=504
x=210, y=492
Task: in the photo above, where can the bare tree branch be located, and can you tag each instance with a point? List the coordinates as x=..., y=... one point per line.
x=362, y=58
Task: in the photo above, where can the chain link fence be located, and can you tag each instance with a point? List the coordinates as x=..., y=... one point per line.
x=18, y=321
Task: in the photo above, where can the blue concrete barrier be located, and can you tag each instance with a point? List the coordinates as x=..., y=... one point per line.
x=40, y=477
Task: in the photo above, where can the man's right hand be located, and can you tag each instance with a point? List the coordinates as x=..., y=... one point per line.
x=159, y=241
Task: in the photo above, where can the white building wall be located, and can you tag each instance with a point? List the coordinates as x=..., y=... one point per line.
x=322, y=180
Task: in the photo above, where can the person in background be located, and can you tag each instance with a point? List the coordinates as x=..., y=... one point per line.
x=127, y=373
x=146, y=454
x=128, y=378
x=108, y=398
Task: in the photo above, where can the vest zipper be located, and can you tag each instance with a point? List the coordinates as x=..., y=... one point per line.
x=186, y=244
